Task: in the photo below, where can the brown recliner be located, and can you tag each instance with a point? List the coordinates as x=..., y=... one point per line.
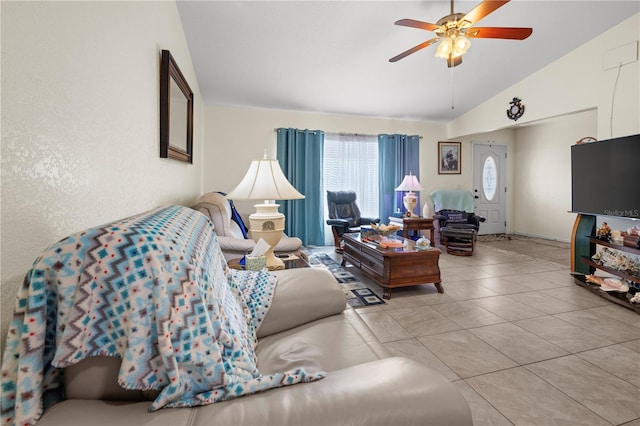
x=344, y=215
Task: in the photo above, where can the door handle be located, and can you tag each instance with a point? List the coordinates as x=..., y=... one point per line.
x=476, y=197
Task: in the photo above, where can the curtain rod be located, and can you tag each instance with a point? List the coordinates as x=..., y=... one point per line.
x=342, y=133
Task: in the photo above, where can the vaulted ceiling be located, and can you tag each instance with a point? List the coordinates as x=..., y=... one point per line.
x=333, y=56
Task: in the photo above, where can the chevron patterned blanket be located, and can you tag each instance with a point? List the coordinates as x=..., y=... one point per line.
x=153, y=290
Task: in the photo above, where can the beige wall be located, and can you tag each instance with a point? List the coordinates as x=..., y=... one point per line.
x=542, y=187
x=235, y=136
x=80, y=125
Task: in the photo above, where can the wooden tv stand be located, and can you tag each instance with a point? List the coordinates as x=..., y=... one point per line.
x=393, y=267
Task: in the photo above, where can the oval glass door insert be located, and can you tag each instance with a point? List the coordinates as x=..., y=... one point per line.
x=489, y=178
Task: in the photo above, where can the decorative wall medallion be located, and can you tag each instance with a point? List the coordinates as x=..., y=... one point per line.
x=516, y=110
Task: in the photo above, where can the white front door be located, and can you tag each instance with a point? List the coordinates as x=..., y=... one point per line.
x=490, y=187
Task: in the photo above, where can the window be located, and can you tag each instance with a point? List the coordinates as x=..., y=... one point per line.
x=351, y=164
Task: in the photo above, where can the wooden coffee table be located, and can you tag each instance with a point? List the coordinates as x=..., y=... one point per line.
x=393, y=267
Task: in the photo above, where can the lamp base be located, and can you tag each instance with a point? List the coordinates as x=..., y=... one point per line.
x=268, y=223
x=410, y=202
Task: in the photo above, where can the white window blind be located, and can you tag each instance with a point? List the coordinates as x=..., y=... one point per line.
x=351, y=164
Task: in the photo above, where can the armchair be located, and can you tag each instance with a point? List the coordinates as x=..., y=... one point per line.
x=344, y=215
x=455, y=222
x=230, y=234
x=458, y=231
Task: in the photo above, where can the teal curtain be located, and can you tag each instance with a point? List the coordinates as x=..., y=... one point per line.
x=300, y=154
x=397, y=156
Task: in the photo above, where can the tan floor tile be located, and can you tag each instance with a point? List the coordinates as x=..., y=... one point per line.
x=526, y=399
x=482, y=412
x=507, y=308
x=504, y=285
x=422, y=321
x=619, y=313
x=465, y=354
x=634, y=345
x=543, y=281
x=384, y=327
x=463, y=274
x=544, y=302
x=563, y=334
x=517, y=343
x=560, y=277
x=417, y=351
x=465, y=290
x=467, y=314
x=617, y=360
x=602, y=325
x=601, y=392
x=578, y=296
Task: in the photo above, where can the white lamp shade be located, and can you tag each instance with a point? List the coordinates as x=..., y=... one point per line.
x=410, y=183
x=264, y=181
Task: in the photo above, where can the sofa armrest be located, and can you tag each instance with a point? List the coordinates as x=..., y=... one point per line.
x=236, y=244
x=391, y=391
x=302, y=295
x=288, y=244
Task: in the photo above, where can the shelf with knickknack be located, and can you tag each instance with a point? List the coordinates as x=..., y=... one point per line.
x=620, y=262
x=605, y=258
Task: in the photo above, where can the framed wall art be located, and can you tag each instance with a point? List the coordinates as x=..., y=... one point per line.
x=449, y=161
x=176, y=112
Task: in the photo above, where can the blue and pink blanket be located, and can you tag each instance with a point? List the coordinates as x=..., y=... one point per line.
x=153, y=290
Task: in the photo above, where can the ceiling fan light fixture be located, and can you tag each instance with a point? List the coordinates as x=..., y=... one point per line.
x=444, y=48
x=461, y=45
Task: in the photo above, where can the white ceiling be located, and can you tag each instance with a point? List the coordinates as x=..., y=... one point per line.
x=332, y=56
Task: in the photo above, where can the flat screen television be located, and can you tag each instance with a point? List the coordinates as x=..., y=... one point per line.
x=605, y=177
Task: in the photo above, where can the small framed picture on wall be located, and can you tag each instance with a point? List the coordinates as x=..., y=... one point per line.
x=449, y=161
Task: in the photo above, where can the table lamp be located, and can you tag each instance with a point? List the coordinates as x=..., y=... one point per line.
x=266, y=181
x=410, y=183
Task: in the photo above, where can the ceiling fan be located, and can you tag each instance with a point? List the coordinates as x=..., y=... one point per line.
x=454, y=31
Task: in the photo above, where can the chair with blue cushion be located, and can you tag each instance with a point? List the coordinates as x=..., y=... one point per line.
x=344, y=215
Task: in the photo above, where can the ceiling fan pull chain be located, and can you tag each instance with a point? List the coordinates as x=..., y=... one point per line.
x=452, y=88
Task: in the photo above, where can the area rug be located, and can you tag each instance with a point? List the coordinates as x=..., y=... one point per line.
x=357, y=293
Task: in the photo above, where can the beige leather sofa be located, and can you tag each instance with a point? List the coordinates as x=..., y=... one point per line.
x=216, y=207
x=362, y=386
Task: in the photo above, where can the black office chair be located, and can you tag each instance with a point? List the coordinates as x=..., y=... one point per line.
x=344, y=215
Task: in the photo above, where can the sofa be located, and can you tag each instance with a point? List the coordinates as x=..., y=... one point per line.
x=230, y=237
x=330, y=368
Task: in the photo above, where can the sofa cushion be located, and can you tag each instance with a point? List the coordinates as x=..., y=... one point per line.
x=327, y=344
x=392, y=391
x=301, y=295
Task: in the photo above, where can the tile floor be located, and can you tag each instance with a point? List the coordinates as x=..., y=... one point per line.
x=522, y=342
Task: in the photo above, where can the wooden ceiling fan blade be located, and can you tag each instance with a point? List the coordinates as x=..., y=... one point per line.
x=480, y=11
x=414, y=49
x=499, y=32
x=417, y=24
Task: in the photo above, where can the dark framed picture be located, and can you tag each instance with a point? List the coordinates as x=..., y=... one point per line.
x=176, y=112
x=449, y=158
